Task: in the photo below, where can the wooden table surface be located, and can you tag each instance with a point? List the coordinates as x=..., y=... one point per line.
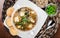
x=5, y=34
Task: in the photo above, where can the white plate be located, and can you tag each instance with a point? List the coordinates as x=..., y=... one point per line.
x=41, y=18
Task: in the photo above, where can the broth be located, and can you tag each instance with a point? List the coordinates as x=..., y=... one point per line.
x=25, y=19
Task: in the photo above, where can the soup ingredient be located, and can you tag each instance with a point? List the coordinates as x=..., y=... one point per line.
x=9, y=11
x=41, y=3
x=22, y=13
x=30, y=26
x=32, y=12
x=51, y=10
x=17, y=19
x=31, y=19
x=24, y=20
x=18, y=26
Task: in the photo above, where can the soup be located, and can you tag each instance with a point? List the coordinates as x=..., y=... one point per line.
x=25, y=19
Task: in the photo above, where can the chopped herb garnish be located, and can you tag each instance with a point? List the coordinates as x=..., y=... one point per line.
x=51, y=10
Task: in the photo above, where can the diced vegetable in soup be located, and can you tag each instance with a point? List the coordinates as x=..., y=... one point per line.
x=25, y=19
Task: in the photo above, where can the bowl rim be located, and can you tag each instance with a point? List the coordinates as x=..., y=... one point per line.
x=13, y=16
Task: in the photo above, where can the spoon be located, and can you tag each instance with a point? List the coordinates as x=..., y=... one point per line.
x=51, y=23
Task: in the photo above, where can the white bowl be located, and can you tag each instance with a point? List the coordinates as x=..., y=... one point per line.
x=41, y=16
